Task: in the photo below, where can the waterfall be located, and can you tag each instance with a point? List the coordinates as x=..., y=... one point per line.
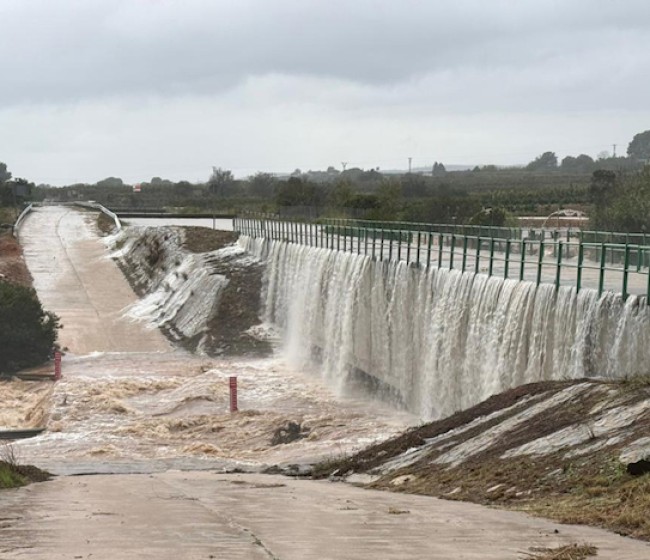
x=441, y=340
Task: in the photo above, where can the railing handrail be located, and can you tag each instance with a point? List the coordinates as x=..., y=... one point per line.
x=452, y=247
x=517, y=231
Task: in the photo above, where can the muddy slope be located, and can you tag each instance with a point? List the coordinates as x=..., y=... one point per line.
x=572, y=451
x=197, y=285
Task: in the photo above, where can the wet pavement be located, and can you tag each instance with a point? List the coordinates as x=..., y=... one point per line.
x=179, y=515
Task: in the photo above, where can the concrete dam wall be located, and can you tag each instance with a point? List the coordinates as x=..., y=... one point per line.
x=442, y=340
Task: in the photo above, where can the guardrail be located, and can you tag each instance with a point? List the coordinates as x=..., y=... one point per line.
x=20, y=219
x=103, y=209
x=602, y=266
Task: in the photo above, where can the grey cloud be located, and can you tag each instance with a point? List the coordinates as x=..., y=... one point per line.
x=68, y=50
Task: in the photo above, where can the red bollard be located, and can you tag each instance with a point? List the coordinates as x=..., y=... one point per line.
x=57, y=366
x=233, y=394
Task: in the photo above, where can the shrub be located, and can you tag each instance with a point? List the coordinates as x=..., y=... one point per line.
x=27, y=332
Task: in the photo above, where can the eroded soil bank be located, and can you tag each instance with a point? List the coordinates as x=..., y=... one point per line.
x=197, y=285
x=564, y=450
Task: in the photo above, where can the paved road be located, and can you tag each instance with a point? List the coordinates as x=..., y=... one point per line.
x=208, y=515
x=75, y=278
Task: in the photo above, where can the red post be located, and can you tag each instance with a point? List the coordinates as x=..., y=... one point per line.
x=233, y=394
x=57, y=366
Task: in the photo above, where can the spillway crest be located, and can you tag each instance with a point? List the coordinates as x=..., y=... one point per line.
x=439, y=340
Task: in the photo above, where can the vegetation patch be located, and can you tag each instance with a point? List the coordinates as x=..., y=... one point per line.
x=27, y=332
x=14, y=475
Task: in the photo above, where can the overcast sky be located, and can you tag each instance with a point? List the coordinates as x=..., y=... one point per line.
x=142, y=88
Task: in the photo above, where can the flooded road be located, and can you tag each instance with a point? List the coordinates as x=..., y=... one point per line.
x=131, y=403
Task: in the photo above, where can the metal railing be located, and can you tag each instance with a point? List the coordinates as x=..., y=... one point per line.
x=616, y=267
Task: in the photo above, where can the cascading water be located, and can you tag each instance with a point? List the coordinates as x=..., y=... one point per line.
x=441, y=340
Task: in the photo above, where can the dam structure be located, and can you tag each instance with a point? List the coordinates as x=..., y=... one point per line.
x=434, y=337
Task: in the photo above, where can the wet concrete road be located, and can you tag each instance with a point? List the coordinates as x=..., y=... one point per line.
x=75, y=277
x=194, y=515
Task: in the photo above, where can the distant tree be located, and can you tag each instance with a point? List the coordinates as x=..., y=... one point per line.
x=545, y=162
x=581, y=164
x=296, y=192
x=413, y=185
x=332, y=170
x=5, y=175
x=389, y=202
x=438, y=169
x=110, y=182
x=220, y=181
x=183, y=188
x=639, y=147
x=341, y=194
x=621, y=203
x=262, y=185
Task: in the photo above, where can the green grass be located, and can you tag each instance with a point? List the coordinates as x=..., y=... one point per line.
x=9, y=478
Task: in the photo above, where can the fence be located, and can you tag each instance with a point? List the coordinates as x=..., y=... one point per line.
x=604, y=266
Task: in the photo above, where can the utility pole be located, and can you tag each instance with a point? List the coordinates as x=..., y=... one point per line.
x=410, y=159
x=344, y=164
x=614, y=150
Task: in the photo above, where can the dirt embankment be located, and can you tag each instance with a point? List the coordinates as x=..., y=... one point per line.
x=12, y=264
x=576, y=452
x=199, y=287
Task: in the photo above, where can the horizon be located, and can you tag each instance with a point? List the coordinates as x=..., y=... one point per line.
x=143, y=88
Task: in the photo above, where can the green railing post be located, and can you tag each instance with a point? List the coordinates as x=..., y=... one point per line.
x=365, y=241
x=429, y=249
x=558, y=270
x=522, y=264
x=408, y=248
x=374, y=238
x=647, y=290
x=626, y=267
x=581, y=258
x=601, y=278
x=417, y=259
x=440, y=246
x=464, y=263
x=399, y=245
x=540, y=261
x=381, y=246
x=506, y=262
x=477, y=257
x=390, y=245
x=451, y=251
x=491, y=264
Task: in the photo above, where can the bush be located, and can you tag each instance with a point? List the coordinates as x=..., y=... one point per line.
x=27, y=332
